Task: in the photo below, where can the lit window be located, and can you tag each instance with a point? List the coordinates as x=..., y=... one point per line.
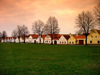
x=90, y=41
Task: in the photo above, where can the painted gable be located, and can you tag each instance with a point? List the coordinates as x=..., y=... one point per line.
x=47, y=37
x=62, y=38
x=71, y=40
x=93, y=37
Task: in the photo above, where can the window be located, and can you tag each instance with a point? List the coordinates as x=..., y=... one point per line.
x=65, y=42
x=95, y=36
x=98, y=41
x=91, y=36
x=72, y=42
x=90, y=41
x=62, y=42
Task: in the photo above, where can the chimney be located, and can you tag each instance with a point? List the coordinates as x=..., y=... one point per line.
x=69, y=34
x=76, y=34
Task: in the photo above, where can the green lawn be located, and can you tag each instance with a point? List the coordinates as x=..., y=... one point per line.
x=41, y=59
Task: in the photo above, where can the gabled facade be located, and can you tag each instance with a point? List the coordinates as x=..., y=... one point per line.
x=78, y=39
x=33, y=38
x=42, y=39
x=55, y=38
x=8, y=39
x=64, y=39
x=94, y=37
x=13, y=39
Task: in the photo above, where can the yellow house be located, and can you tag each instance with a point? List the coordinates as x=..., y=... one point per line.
x=80, y=40
x=94, y=37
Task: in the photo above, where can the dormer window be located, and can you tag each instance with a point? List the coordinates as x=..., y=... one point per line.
x=91, y=36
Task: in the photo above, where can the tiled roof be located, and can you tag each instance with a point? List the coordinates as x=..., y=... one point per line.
x=98, y=31
x=55, y=36
x=67, y=36
x=33, y=35
x=14, y=37
x=8, y=38
x=43, y=36
x=79, y=37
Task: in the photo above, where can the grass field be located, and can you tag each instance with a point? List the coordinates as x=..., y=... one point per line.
x=35, y=59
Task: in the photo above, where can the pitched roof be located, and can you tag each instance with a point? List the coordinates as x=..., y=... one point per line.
x=79, y=37
x=98, y=31
x=67, y=36
x=8, y=38
x=14, y=37
x=43, y=36
x=33, y=35
x=55, y=36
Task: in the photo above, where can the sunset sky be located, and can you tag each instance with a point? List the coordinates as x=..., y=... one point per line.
x=25, y=12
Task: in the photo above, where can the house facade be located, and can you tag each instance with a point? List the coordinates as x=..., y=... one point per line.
x=55, y=38
x=78, y=39
x=64, y=39
x=94, y=37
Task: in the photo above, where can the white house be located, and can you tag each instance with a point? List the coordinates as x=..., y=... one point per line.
x=33, y=38
x=13, y=39
x=21, y=39
x=55, y=38
x=42, y=39
x=64, y=39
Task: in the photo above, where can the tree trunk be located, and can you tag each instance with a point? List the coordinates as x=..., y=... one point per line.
x=24, y=38
x=86, y=39
x=14, y=40
x=40, y=38
x=51, y=39
x=19, y=39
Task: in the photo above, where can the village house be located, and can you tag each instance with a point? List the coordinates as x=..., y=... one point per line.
x=32, y=38
x=77, y=39
x=64, y=39
x=55, y=38
x=94, y=37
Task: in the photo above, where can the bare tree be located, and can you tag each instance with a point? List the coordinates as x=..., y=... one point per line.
x=19, y=32
x=4, y=35
x=38, y=28
x=53, y=28
x=24, y=31
x=0, y=36
x=85, y=22
x=14, y=35
x=97, y=13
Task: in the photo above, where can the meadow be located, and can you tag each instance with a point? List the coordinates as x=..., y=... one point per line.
x=43, y=59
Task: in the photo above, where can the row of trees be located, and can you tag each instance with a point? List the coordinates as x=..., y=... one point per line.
x=85, y=21
x=38, y=27
x=3, y=35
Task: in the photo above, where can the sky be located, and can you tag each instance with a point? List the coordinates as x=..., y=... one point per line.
x=25, y=12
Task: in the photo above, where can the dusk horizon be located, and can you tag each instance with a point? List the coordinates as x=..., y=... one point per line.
x=25, y=12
